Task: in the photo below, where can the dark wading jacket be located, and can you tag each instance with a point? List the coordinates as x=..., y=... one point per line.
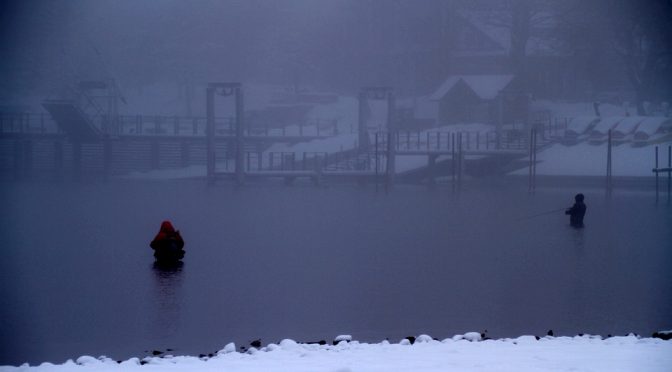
x=576, y=213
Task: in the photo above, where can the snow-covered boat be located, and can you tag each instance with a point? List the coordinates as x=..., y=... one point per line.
x=625, y=130
x=577, y=127
x=600, y=131
x=652, y=129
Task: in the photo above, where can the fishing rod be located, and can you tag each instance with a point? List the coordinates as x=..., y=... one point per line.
x=542, y=214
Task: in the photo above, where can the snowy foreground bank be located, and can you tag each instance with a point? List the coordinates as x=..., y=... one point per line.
x=527, y=353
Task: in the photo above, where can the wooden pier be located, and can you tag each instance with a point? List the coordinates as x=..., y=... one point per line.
x=68, y=144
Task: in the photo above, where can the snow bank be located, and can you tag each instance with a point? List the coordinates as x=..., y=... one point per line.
x=586, y=159
x=526, y=353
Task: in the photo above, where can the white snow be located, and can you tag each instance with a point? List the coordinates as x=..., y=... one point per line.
x=340, y=338
x=585, y=159
x=603, y=126
x=526, y=353
x=580, y=124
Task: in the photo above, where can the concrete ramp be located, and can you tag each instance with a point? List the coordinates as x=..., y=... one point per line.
x=72, y=120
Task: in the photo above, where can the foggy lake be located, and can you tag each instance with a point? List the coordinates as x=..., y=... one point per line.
x=271, y=262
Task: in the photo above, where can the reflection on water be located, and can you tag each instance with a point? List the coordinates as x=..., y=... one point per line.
x=166, y=307
x=578, y=239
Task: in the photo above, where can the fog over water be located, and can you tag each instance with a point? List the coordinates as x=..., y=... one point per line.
x=372, y=171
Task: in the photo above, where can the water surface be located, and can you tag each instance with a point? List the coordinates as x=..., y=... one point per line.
x=308, y=263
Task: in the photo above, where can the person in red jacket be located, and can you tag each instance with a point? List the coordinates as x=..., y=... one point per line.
x=168, y=243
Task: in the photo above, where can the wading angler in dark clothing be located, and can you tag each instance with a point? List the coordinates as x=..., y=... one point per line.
x=168, y=243
x=577, y=211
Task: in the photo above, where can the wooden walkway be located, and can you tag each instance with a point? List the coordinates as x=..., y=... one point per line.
x=32, y=146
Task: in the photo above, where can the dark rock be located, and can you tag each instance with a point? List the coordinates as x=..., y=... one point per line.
x=663, y=335
x=157, y=352
x=549, y=333
x=256, y=343
x=118, y=361
x=537, y=337
x=202, y=356
x=411, y=339
x=211, y=355
x=580, y=334
x=321, y=342
x=143, y=362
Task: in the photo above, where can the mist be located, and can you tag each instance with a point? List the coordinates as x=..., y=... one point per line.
x=381, y=169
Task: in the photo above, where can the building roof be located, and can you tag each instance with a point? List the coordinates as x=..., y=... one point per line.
x=486, y=87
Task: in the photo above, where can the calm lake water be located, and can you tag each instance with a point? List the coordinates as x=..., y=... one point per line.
x=273, y=262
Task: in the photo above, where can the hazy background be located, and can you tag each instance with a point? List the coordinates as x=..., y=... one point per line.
x=563, y=49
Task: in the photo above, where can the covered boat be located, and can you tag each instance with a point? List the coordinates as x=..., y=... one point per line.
x=626, y=128
x=600, y=131
x=652, y=129
x=578, y=126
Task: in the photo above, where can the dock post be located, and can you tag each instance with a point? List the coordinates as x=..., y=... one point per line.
x=363, y=141
x=240, y=130
x=460, y=158
x=77, y=160
x=431, y=167
x=669, y=171
x=452, y=157
x=107, y=156
x=532, y=160
x=58, y=160
x=27, y=158
x=609, y=181
x=185, y=149
x=18, y=159
x=655, y=169
x=317, y=180
x=210, y=134
x=391, y=134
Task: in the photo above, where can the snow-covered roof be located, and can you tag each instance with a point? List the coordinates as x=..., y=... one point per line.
x=484, y=86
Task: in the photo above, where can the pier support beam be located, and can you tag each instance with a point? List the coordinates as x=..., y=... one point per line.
x=107, y=156
x=77, y=160
x=379, y=93
x=431, y=169
x=225, y=89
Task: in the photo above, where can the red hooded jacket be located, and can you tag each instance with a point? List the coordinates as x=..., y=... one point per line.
x=166, y=234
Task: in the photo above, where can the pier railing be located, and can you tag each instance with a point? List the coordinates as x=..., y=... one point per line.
x=132, y=125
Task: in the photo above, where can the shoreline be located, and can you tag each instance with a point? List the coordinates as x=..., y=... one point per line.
x=410, y=352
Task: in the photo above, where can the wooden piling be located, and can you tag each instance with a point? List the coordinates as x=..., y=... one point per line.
x=210, y=134
x=107, y=157
x=669, y=172
x=240, y=130
x=77, y=160
x=609, y=165
x=58, y=160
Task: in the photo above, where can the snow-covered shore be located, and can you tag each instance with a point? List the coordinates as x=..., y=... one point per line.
x=526, y=353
